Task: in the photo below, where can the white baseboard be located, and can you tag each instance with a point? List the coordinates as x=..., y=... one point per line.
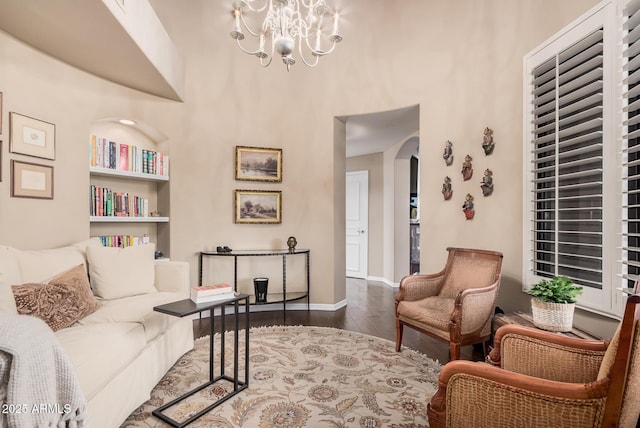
x=329, y=307
x=384, y=281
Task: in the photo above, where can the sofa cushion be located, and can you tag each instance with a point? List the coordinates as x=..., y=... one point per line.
x=121, y=272
x=42, y=265
x=137, y=309
x=9, y=275
x=59, y=303
x=99, y=352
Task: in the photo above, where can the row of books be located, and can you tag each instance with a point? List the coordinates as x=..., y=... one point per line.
x=105, y=202
x=126, y=157
x=212, y=293
x=123, y=241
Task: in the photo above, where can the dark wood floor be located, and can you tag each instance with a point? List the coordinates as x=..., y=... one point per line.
x=369, y=310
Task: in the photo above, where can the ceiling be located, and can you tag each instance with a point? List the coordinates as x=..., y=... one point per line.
x=376, y=132
x=87, y=35
x=74, y=32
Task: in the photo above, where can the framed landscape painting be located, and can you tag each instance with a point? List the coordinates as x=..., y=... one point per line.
x=258, y=206
x=258, y=164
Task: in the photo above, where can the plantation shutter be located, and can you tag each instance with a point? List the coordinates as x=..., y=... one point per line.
x=631, y=143
x=567, y=170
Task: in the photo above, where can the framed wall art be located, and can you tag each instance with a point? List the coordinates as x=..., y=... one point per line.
x=30, y=180
x=258, y=164
x=258, y=206
x=32, y=137
x=1, y=116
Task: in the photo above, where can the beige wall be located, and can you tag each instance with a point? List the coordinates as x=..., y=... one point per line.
x=373, y=164
x=39, y=86
x=460, y=61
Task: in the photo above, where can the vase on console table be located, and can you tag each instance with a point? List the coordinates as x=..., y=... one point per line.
x=260, y=287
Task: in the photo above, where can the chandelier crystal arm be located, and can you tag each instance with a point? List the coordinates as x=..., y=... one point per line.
x=284, y=25
x=248, y=4
x=260, y=53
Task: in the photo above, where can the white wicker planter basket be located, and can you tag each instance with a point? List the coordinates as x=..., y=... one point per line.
x=552, y=316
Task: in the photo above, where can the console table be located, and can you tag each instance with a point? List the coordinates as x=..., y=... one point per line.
x=183, y=308
x=283, y=297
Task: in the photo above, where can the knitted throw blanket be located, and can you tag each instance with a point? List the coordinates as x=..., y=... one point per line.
x=42, y=389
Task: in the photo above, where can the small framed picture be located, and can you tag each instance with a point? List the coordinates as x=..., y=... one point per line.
x=258, y=164
x=258, y=206
x=32, y=137
x=30, y=180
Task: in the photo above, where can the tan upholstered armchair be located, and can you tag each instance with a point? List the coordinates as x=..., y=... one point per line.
x=542, y=379
x=455, y=305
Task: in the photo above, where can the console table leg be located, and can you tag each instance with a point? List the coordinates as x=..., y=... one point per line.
x=284, y=289
x=235, y=346
x=246, y=342
x=308, y=284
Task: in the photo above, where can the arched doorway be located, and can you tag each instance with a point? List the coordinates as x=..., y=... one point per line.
x=383, y=144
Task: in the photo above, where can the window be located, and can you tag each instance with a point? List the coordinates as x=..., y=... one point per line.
x=631, y=144
x=572, y=170
x=567, y=163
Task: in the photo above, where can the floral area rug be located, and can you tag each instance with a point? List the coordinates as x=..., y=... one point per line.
x=301, y=377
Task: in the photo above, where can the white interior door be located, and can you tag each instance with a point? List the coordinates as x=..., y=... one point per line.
x=357, y=223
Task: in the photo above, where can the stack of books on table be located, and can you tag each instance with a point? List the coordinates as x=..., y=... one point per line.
x=212, y=293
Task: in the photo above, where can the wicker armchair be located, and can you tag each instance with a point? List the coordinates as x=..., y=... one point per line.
x=542, y=379
x=455, y=305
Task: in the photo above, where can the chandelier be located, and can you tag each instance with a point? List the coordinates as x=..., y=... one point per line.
x=285, y=24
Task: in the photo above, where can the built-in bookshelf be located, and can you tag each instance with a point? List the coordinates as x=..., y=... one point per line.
x=129, y=188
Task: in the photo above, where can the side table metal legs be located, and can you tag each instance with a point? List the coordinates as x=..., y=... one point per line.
x=238, y=385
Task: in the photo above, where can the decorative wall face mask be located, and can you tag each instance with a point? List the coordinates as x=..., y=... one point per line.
x=467, y=168
x=467, y=207
x=487, y=182
x=487, y=141
x=448, y=153
x=447, y=189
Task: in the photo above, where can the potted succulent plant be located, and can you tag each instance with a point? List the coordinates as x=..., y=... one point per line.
x=553, y=303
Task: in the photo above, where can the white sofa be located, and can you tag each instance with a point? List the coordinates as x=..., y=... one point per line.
x=121, y=350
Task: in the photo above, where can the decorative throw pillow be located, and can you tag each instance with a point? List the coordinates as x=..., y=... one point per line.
x=60, y=302
x=121, y=272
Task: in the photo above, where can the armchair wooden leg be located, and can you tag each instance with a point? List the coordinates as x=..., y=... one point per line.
x=399, y=328
x=454, y=351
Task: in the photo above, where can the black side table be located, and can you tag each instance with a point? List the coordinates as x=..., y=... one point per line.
x=183, y=308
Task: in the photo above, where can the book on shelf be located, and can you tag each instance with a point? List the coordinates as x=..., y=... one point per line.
x=123, y=164
x=126, y=157
x=106, y=202
x=123, y=241
x=211, y=290
x=213, y=298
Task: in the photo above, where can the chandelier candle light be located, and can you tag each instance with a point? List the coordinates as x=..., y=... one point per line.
x=284, y=26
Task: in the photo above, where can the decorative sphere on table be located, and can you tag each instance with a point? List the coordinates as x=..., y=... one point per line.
x=292, y=242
